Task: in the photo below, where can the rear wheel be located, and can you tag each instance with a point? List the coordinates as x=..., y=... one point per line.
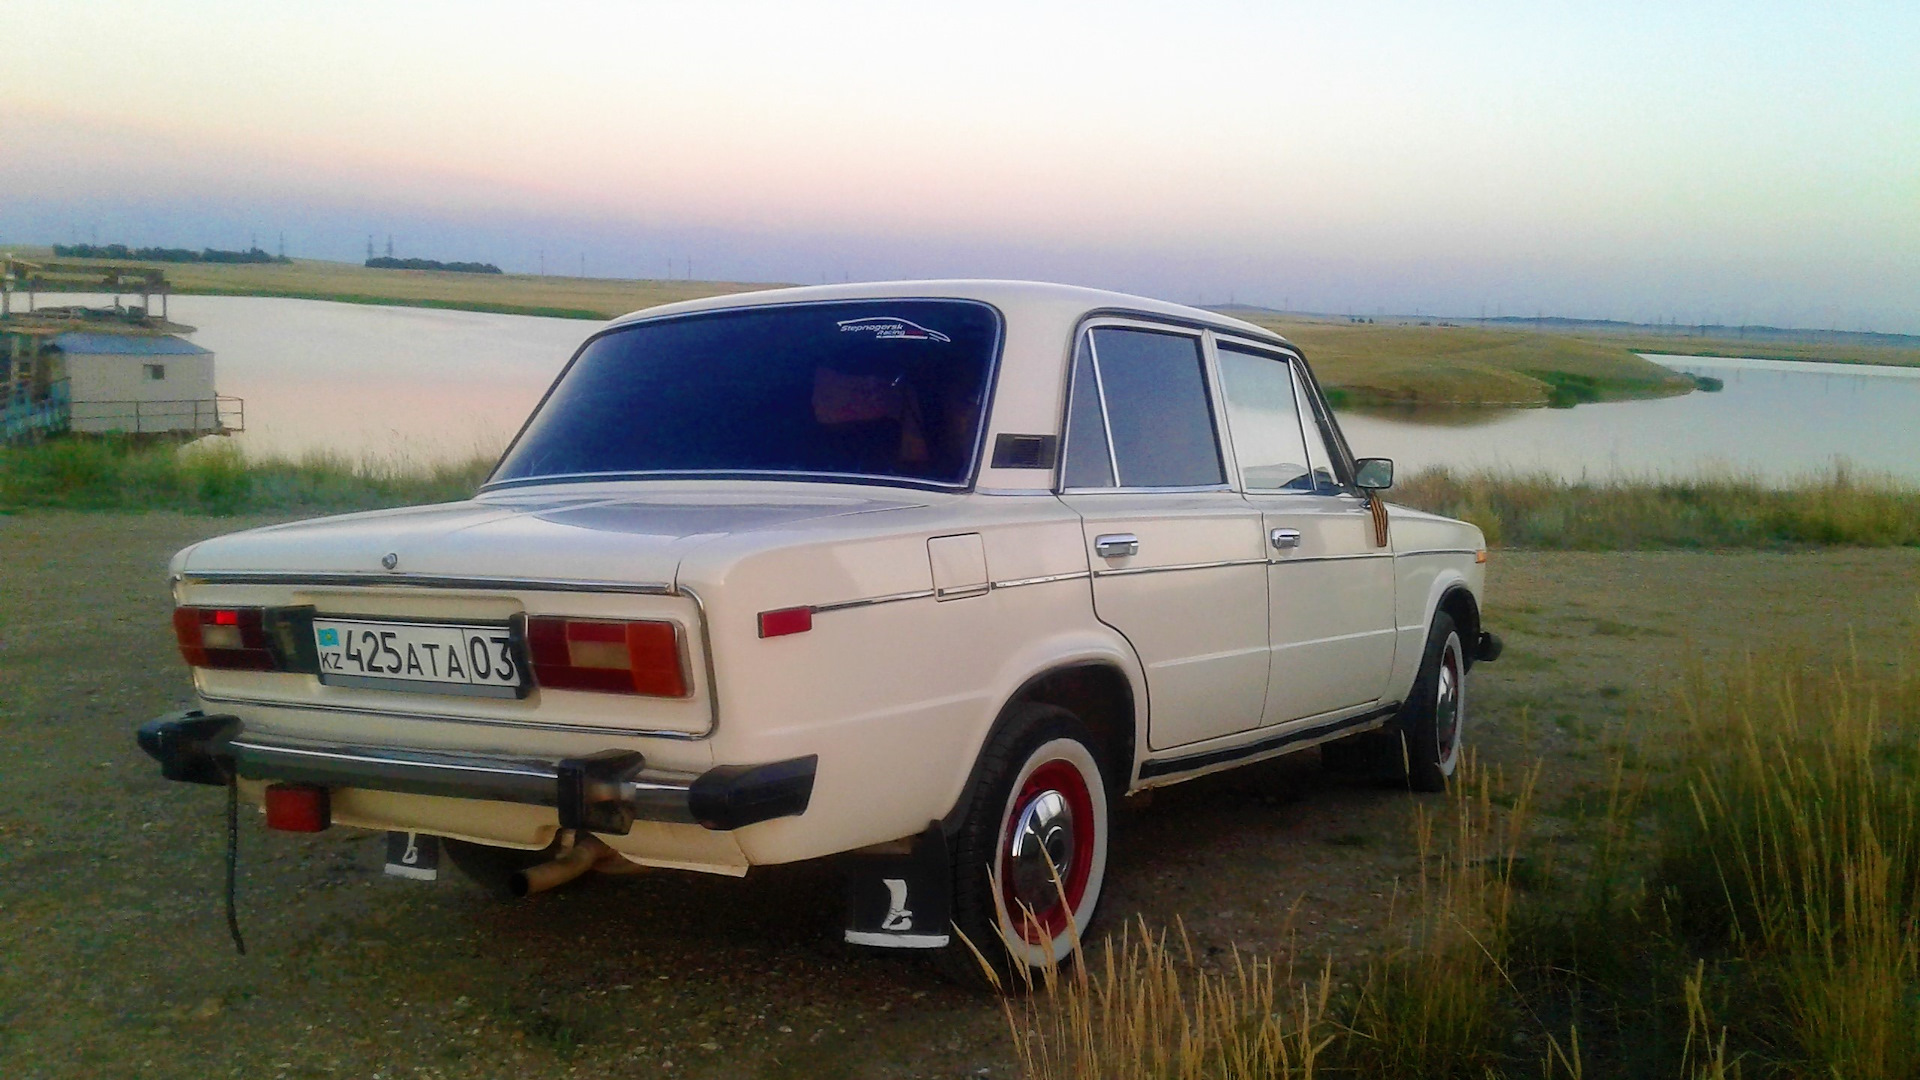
x=1031, y=854
x=1433, y=721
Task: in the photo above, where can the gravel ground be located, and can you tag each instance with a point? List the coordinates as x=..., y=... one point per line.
x=114, y=960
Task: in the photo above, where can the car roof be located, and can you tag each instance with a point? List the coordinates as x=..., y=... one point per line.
x=1015, y=299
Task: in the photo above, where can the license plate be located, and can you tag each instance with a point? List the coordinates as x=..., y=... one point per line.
x=431, y=657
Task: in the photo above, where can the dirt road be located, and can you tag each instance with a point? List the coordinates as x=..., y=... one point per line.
x=114, y=960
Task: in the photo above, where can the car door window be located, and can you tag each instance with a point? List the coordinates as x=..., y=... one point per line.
x=1263, y=415
x=1089, y=461
x=1159, y=422
x=1319, y=458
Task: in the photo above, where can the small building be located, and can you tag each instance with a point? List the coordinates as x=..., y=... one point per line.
x=100, y=371
x=142, y=385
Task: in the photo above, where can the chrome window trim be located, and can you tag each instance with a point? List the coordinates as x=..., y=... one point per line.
x=1100, y=391
x=1149, y=490
x=1149, y=323
x=979, y=462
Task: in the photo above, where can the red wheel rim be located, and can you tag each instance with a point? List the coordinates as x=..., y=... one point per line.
x=1043, y=921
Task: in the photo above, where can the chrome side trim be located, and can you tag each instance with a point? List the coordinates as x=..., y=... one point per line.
x=892, y=598
x=1331, y=558
x=1127, y=570
x=1015, y=583
x=1437, y=551
x=706, y=654
x=427, y=581
x=451, y=718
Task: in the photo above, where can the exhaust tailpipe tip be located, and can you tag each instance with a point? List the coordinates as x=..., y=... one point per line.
x=574, y=862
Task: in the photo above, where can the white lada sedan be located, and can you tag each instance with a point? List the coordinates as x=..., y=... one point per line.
x=921, y=575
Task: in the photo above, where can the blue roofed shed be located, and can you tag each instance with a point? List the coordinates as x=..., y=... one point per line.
x=139, y=383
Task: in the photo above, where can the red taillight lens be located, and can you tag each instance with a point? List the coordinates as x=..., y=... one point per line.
x=224, y=638
x=793, y=620
x=299, y=808
x=610, y=657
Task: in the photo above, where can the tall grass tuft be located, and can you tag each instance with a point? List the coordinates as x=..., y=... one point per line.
x=1795, y=851
x=1442, y=1006
x=1838, y=507
x=118, y=474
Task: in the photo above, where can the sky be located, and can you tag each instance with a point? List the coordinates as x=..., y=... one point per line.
x=1752, y=162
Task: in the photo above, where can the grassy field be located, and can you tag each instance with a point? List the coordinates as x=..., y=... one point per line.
x=1703, y=512
x=1738, y=903
x=514, y=294
x=1513, y=511
x=1390, y=364
x=103, y=474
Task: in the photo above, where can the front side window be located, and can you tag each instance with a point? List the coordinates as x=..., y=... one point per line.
x=893, y=390
x=1158, y=422
x=1319, y=457
x=1263, y=411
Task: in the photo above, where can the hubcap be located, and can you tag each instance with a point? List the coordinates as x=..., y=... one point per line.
x=1042, y=850
x=1446, y=706
x=1046, y=851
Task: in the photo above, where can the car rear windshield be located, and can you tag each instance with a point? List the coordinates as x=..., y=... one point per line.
x=892, y=390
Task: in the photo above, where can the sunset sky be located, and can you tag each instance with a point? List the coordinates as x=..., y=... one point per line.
x=1730, y=162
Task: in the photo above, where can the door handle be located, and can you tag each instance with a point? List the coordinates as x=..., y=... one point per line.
x=1283, y=539
x=1116, y=545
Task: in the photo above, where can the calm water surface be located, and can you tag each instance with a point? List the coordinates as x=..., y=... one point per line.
x=1777, y=419
x=418, y=384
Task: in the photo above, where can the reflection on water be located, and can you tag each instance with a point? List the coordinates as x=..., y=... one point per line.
x=398, y=384
x=416, y=384
x=1777, y=419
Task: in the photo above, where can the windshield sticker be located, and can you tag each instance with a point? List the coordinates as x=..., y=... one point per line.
x=884, y=326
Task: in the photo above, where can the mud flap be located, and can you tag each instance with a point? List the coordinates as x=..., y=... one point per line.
x=413, y=855
x=901, y=900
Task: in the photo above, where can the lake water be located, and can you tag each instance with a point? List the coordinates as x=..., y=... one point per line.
x=1776, y=419
x=419, y=384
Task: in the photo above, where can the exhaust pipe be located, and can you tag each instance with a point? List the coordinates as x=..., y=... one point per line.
x=586, y=851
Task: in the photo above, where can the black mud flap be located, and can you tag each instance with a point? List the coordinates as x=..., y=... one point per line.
x=903, y=900
x=413, y=855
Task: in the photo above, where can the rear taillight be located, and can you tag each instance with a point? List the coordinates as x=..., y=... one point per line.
x=610, y=657
x=224, y=638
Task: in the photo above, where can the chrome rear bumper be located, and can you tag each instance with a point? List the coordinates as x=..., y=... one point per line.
x=604, y=792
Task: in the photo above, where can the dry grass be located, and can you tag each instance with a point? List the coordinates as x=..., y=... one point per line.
x=1839, y=507
x=520, y=294
x=112, y=474
x=1380, y=364
x=1746, y=911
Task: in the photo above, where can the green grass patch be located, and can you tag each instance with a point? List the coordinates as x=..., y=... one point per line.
x=1737, y=902
x=1838, y=508
x=114, y=474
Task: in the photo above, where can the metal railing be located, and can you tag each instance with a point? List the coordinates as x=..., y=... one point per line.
x=219, y=414
x=23, y=417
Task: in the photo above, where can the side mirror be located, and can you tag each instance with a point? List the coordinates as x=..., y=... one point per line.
x=1373, y=473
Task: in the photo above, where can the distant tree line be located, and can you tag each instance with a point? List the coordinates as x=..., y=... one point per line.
x=388, y=262
x=160, y=254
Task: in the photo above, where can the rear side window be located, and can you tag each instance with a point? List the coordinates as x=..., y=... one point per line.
x=893, y=390
x=1151, y=391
